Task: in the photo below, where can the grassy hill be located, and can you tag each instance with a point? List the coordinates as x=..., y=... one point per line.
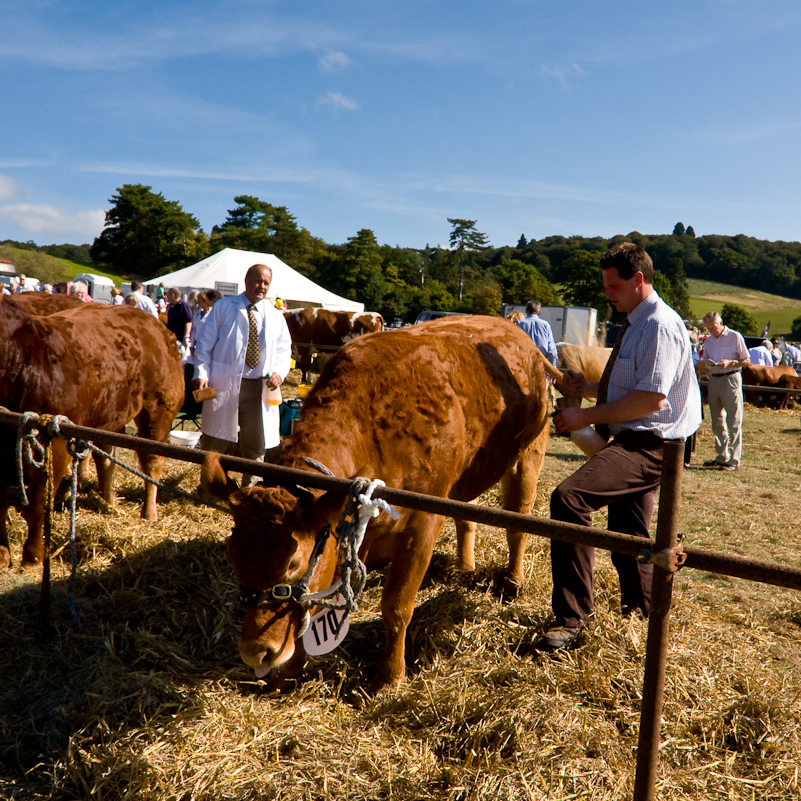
x=706, y=296
x=48, y=269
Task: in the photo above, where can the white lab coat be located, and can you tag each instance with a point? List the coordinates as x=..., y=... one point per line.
x=220, y=359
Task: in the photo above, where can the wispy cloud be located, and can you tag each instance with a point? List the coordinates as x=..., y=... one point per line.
x=566, y=77
x=332, y=60
x=7, y=187
x=44, y=219
x=338, y=100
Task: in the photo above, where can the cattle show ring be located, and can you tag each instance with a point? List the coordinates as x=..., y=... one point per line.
x=121, y=677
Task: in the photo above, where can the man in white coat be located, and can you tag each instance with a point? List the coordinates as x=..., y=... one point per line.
x=242, y=351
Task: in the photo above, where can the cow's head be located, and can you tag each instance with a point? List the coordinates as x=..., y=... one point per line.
x=271, y=543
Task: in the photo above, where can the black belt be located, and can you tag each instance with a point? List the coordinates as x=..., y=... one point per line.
x=728, y=372
x=640, y=439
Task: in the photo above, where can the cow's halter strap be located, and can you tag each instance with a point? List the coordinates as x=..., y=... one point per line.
x=281, y=593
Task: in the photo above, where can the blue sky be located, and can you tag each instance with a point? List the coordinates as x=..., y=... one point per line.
x=535, y=117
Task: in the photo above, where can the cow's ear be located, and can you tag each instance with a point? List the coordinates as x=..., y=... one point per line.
x=215, y=480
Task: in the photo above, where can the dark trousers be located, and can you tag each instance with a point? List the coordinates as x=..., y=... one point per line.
x=623, y=476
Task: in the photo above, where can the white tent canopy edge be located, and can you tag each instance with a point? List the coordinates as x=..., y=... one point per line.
x=226, y=270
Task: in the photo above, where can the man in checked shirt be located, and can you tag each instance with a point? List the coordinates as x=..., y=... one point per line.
x=652, y=396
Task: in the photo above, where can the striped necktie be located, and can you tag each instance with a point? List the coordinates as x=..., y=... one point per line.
x=252, y=352
x=603, y=384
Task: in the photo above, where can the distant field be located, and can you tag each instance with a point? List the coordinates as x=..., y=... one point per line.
x=706, y=296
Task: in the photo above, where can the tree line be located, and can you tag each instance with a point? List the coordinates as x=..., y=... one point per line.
x=146, y=235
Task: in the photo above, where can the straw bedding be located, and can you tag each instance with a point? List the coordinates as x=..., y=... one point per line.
x=147, y=699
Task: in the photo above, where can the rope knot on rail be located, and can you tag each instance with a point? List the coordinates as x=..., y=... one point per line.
x=670, y=560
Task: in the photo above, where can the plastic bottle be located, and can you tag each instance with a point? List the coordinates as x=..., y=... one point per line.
x=588, y=439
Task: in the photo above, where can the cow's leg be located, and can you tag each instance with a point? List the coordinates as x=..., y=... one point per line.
x=33, y=513
x=304, y=362
x=519, y=494
x=409, y=564
x=466, y=543
x=105, y=475
x=5, y=551
x=152, y=424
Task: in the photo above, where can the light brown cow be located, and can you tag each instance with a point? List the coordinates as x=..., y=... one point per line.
x=44, y=303
x=789, y=382
x=761, y=375
x=448, y=408
x=99, y=366
x=328, y=330
x=587, y=359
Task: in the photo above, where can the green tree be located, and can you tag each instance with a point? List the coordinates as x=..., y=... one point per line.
x=487, y=299
x=679, y=297
x=359, y=274
x=435, y=295
x=257, y=225
x=465, y=239
x=523, y=282
x=678, y=229
x=583, y=283
x=795, y=333
x=690, y=231
x=739, y=319
x=147, y=235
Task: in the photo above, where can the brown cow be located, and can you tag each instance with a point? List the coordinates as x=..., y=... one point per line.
x=789, y=382
x=100, y=367
x=448, y=408
x=587, y=359
x=760, y=375
x=328, y=330
x=43, y=303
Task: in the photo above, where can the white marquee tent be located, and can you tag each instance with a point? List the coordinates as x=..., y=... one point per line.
x=225, y=271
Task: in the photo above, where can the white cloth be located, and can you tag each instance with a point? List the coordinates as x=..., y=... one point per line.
x=144, y=303
x=729, y=345
x=220, y=359
x=656, y=356
x=760, y=355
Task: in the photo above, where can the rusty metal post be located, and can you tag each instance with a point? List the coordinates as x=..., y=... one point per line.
x=658, y=625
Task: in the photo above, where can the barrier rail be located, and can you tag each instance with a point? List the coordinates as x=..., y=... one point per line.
x=657, y=551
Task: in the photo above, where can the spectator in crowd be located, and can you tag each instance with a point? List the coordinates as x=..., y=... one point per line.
x=647, y=395
x=205, y=300
x=116, y=297
x=143, y=301
x=179, y=316
x=515, y=316
x=22, y=285
x=725, y=354
x=539, y=331
x=131, y=300
x=80, y=290
x=243, y=350
x=762, y=354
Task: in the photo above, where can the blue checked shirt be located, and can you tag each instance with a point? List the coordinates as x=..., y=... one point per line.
x=656, y=356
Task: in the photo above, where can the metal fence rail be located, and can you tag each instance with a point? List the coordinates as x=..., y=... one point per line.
x=657, y=551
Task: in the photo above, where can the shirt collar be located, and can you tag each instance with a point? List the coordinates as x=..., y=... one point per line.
x=643, y=308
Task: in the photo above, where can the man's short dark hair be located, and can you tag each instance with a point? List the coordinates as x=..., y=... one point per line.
x=212, y=296
x=628, y=259
x=533, y=307
x=136, y=286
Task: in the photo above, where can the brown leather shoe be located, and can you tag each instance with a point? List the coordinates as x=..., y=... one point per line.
x=561, y=638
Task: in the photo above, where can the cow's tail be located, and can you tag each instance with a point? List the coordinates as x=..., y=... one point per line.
x=556, y=375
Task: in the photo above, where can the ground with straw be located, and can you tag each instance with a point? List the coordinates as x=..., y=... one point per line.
x=147, y=699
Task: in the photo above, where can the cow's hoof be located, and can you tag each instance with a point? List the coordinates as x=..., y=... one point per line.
x=31, y=559
x=149, y=514
x=510, y=589
x=5, y=558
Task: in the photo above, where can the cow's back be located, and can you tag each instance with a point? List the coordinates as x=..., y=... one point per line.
x=96, y=364
x=43, y=303
x=444, y=408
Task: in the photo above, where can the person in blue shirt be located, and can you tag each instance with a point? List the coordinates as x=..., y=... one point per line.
x=539, y=331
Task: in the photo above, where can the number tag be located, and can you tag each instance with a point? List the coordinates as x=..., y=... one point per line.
x=326, y=630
